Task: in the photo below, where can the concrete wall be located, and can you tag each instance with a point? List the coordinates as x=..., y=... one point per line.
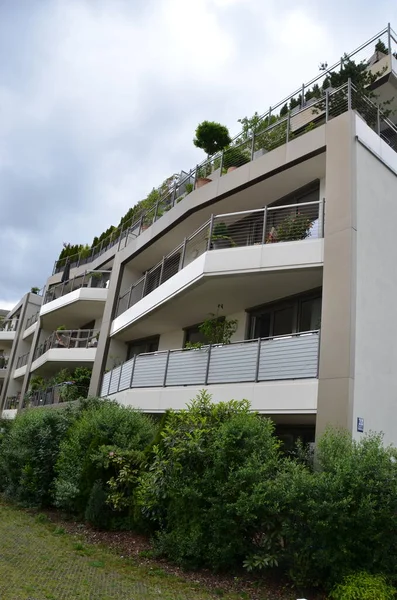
x=337, y=323
x=375, y=370
x=275, y=397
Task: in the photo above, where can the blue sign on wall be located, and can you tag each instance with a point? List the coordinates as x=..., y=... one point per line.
x=360, y=424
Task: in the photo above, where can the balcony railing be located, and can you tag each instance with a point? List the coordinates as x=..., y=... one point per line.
x=12, y=402
x=50, y=395
x=32, y=319
x=306, y=102
x=9, y=325
x=91, y=279
x=247, y=228
x=4, y=361
x=292, y=356
x=22, y=360
x=67, y=339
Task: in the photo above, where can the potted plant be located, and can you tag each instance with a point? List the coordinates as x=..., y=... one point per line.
x=294, y=227
x=35, y=290
x=234, y=158
x=220, y=237
x=96, y=279
x=211, y=137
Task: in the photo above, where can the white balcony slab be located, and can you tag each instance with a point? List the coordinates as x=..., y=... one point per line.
x=84, y=303
x=29, y=331
x=65, y=357
x=275, y=397
x=9, y=413
x=7, y=336
x=242, y=261
x=19, y=372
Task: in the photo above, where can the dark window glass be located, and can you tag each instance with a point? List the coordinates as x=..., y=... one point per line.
x=284, y=320
x=262, y=325
x=194, y=336
x=142, y=346
x=310, y=316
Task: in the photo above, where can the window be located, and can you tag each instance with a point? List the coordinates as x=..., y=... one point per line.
x=194, y=336
x=298, y=314
x=142, y=346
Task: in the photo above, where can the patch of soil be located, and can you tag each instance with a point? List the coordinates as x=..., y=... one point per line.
x=128, y=544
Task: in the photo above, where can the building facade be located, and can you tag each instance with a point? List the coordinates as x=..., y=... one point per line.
x=291, y=238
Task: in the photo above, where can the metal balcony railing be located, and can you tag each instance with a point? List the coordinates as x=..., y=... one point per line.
x=293, y=356
x=9, y=325
x=32, y=319
x=291, y=222
x=22, y=360
x=92, y=279
x=4, y=362
x=67, y=339
x=12, y=402
x=247, y=146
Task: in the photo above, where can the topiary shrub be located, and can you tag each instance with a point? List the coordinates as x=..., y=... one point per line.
x=84, y=464
x=211, y=137
x=363, y=586
x=29, y=451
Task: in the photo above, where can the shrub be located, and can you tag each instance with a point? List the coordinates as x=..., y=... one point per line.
x=211, y=137
x=342, y=517
x=198, y=490
x=235, y=157
x=363, y=586
x=84, y=466
x=28, y=454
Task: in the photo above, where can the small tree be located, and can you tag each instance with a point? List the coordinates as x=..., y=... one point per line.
x=211, y=137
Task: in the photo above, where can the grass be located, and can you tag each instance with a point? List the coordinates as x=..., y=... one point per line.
x=39, y=561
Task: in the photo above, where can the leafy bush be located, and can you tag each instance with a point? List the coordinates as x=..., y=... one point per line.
x=235, y=157
x=84, y=464
x=342, y=516
x=363, y=586
x=28, y=454
x=293, y=227
x=198, y=490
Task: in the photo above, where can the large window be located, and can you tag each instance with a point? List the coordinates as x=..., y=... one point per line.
x=293, y=315
x=142, y=346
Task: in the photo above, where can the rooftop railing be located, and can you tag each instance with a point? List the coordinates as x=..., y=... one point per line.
x=300, y=102
x=293, y=356
x=66, y=339
x=91, y=279
x=269, y=225
x=9, y=325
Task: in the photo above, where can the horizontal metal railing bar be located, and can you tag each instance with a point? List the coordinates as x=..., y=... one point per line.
x=268, y=208
x=74, y=336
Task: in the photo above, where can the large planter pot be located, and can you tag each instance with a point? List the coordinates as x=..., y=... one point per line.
x=201, y=181
x=219, y=244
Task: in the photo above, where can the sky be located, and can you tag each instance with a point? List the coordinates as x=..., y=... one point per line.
x=99, y=101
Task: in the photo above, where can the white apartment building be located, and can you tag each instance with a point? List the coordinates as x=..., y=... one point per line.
x=295, y=241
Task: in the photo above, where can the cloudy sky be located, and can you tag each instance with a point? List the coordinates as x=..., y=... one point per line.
x=99, y=100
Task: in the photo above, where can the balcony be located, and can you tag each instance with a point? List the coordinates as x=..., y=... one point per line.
x=3, y=366
x=46, y=397
x=20, y=368
x=66, y=349
x=234, y=256
x=83, y=297
x=259, y=366
x=31, y=325
x=8, y=330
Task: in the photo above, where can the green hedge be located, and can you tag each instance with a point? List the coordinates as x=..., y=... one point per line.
x=215, y=489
